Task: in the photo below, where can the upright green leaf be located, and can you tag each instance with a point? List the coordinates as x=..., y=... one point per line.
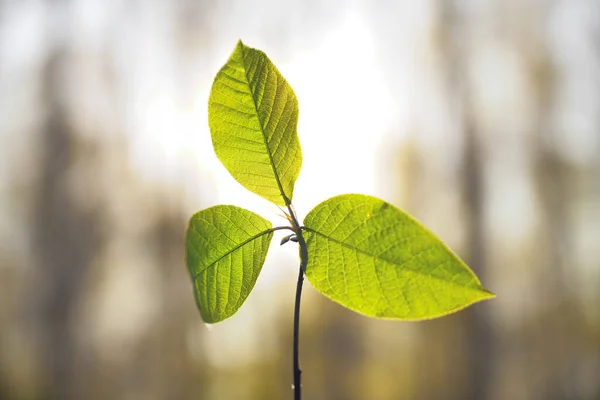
x=373, y=258
x=226, y=247
x=252, y=114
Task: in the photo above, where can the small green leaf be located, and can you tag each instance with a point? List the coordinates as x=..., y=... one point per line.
x=252, y=114
x=226, y=247
x=374, y=259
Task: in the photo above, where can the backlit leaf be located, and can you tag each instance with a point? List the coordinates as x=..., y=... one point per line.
x=226, y=247
x=252, y=114
x=373, y=258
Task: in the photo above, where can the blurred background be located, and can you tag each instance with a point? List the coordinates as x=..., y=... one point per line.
x=482, y=119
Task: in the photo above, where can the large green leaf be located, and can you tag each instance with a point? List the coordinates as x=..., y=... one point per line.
x=226, y=247
x=252, y=114
x=373, y=258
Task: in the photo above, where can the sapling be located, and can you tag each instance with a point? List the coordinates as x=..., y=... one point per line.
x=357, y=250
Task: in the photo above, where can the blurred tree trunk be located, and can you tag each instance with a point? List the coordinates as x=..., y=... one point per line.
x=65, y=239
x=556, y=184
x=480, y=344
x=479, y=337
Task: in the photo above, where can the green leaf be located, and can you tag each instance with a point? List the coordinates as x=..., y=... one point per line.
x=226, y=247
x=373, y=258
x=252, y=114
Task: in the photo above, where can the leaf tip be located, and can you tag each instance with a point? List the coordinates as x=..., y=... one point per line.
x=484, y=294
x=239, y=47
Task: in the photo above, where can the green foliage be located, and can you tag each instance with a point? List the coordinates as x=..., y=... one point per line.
x=373, y=258
x=357, y=250
x=253, y=113
x=226, y=247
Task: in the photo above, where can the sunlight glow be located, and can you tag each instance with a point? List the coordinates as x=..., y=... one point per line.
x=344, y=112
x=345, y=109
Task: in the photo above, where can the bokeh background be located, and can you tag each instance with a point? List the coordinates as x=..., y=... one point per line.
x=481, y=118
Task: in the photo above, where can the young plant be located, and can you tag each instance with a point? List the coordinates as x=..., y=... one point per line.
x=357, y=250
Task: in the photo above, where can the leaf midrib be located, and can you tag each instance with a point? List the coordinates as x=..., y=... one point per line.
x=262, y=128
x=237, y=247
x=402, y=265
